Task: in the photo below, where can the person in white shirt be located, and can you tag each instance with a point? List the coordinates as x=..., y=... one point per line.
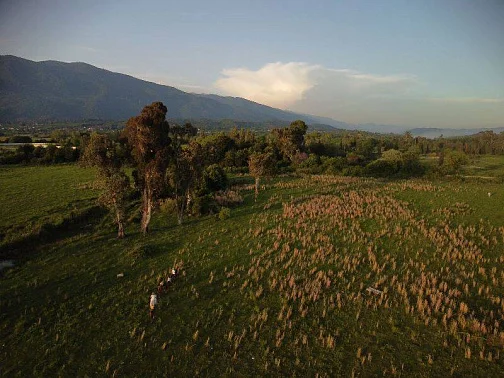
x=152, y=304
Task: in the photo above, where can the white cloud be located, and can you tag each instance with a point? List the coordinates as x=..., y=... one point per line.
x=286, y=84
x=357, y=97
x=275, y=84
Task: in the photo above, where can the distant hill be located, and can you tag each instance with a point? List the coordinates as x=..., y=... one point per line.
x=228, y=124
x=447, y=133
x=58, y=91
x=52, y=90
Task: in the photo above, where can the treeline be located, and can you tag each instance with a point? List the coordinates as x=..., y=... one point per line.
x=29, y=154
x=337, y=152
x=176, y=167
x=343, y=153
x=58, y=147
x=183, y=170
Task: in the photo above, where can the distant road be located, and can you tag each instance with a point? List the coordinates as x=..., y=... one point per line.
x=22, y=144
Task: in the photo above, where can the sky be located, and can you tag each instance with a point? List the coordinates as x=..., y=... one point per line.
x=415, y=63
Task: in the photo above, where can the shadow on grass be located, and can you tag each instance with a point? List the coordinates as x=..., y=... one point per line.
x=45, y=233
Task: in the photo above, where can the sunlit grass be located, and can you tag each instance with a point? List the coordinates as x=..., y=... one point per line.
x=277, y=289
x=31, y=193
x=485, y=166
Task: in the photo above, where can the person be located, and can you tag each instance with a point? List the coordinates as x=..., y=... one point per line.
x=160, y=287
x=152, y=304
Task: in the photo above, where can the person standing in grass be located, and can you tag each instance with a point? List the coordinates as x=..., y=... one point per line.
x=161, y=287
x=152, y=304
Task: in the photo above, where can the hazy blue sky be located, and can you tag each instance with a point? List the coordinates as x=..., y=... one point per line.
x=414, y=63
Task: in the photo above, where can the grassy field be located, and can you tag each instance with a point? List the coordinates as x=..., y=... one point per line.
x=485, y=165
x=30, y=193
x=36, y=197
x=278, y=289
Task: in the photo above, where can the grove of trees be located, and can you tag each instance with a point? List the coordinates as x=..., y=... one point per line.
x=189, y=167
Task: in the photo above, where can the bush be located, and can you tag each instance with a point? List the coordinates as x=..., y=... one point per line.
x=224, y=213
x=20, y=139
x=381, y=168
x=353, y=171
x=312, y=164
x=453, y=161
x=167, y=206
x=333, y=165
x=228, y=198
x=214, y=178
x=204, y=204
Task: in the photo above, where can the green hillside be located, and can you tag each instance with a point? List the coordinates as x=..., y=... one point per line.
x=51, y=90
x=278, y=289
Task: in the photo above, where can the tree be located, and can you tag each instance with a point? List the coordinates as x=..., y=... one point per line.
x=290, y=140
x=366, y=147
x=393, y=157
x=411, y=165
x=298, y=130
x=25, y=152
x=216, y=147
x=115, y=198
x=101, y=153
x=185, y=170
x=20, y=139
x=454, y=160
x=261, y=165
x=148, y=138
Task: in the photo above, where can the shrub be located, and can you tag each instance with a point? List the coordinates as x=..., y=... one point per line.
x=214, y=178
x=224, y=213
x=333, y=165
x=453, y=161
x=228, y=198
x=167, y=206
x=381, y=168
x=312, y=164
x=20, y=139
x=204, y=204
x=353, y=171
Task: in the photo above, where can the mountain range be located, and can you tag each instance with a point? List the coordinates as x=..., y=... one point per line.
x=58, y=91
x=52, y=90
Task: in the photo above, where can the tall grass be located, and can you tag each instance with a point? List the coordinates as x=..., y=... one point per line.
x=277, y=289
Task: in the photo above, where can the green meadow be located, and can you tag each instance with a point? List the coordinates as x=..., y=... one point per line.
x=485, y=165
x=38, y=201
x=322, y=276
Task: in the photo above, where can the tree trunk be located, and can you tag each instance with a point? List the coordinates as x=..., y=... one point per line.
x=180, y=208
x=120, y=229
x=188, y=200
x=119, y=221
x=146, y=210
x=257, y=179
